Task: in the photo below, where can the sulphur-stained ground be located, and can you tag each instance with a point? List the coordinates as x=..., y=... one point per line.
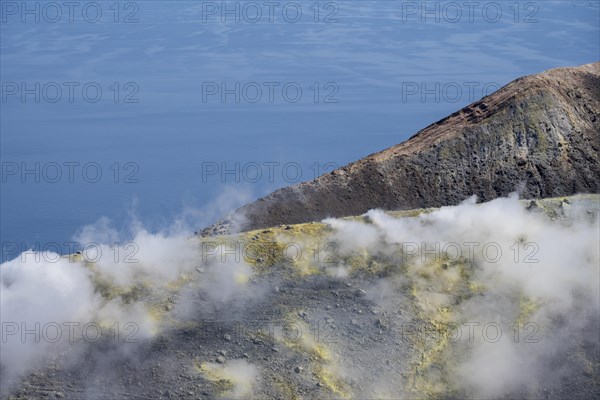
x=362, y=307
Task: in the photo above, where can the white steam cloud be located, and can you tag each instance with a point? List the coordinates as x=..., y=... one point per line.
x=517, y=290
x=534, y=277
x=52, y=305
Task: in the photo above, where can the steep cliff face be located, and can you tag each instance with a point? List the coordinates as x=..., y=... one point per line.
x=539, y=134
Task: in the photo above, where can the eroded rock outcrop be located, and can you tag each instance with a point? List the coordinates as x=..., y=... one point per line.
x=540, y=135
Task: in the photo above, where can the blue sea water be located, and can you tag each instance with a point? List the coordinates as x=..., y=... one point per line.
x=130, y=108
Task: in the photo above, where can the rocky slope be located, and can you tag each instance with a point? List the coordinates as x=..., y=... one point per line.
x=340, y=309
x=539, y=134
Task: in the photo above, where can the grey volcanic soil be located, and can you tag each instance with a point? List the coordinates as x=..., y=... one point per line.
x=312, y=336
x=358, y=332
x=163, y=368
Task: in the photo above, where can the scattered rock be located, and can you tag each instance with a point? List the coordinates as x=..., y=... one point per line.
x=565, y=206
